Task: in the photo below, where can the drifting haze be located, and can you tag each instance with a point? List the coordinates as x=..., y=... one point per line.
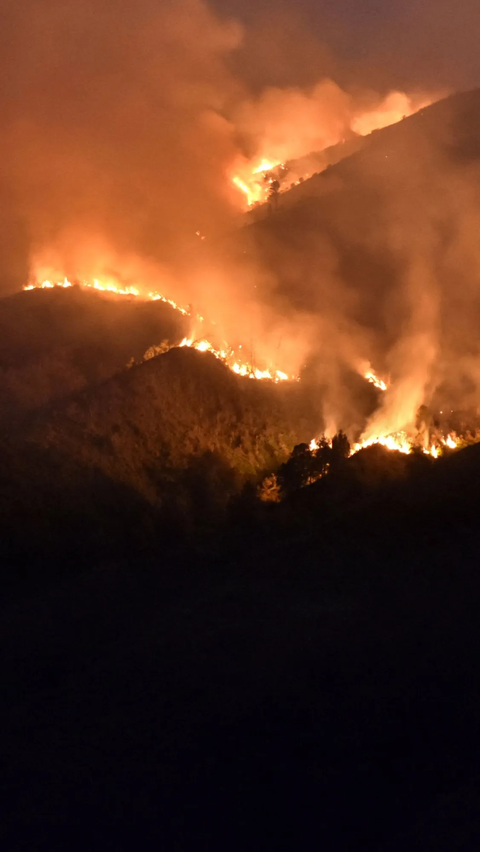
x=123, y=125
x=383, y=251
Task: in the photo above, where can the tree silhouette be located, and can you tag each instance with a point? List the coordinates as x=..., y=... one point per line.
x=273, y=194
x=340, y=446
x=297, y=471
x=305, y=466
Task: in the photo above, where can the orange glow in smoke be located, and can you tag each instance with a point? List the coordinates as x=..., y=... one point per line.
x=227, y=355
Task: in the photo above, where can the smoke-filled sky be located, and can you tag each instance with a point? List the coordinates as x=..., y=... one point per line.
x=124, y=122
x=394, y=44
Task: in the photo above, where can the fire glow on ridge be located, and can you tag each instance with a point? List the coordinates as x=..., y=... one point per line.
x=227, y=355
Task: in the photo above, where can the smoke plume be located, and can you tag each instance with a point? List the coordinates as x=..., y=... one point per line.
x=123, y=125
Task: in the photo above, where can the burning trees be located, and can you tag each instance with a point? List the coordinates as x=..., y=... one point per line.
x=273, y=194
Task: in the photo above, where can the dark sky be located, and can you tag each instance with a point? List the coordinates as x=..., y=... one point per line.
x=380, y=43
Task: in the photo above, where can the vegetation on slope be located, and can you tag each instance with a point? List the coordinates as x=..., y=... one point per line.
x=167, y=442
x=56, y=342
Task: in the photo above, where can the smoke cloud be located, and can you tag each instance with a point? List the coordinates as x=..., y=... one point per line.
x=384, y=252
x=123, y=125
x=112, y=123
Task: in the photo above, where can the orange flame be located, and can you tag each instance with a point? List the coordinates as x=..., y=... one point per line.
x=241, y=368
x=297, y=134
x=374, y=380
x=399, y=441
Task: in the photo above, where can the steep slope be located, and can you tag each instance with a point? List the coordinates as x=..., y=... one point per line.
x=169, y=440
x=56, y=342
x=451, y=123
x=341, y=220
x=383, y=246
x=157, y=415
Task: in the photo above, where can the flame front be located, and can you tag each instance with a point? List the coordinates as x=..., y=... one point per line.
x=227, y=355
x=397, y=441
x=404, y=443
x=400, y=442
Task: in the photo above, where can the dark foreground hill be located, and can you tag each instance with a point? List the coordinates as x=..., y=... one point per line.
x=308, y=675
x=99, y=447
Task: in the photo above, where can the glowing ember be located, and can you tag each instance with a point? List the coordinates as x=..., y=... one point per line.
x=241, y=368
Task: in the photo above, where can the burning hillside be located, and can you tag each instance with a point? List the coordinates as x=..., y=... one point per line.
x=430, y=441
x=146, y=169
x=240, y=424
x=232, y=358
x=288, y=126
x=359, y=275
x=382, y=251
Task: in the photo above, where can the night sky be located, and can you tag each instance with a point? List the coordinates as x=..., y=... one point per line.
x=398, y=43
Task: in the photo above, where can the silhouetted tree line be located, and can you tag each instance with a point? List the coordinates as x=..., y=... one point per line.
x=305, y=466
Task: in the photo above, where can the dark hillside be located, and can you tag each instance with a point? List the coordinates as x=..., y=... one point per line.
x=55, y=342
x=451, y=123
x=308, y=680
x=172, y=438
x=155, y=416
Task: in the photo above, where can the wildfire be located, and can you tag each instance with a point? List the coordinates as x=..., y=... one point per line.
x=255, y=184
x=240, y=368
x=227, y=355
x=399, y=441
x=449, y=442
x=374, y=380
x=404, y=443
x=94, y=285
x=301, y=122
x=265, y=166
x=251, y=194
